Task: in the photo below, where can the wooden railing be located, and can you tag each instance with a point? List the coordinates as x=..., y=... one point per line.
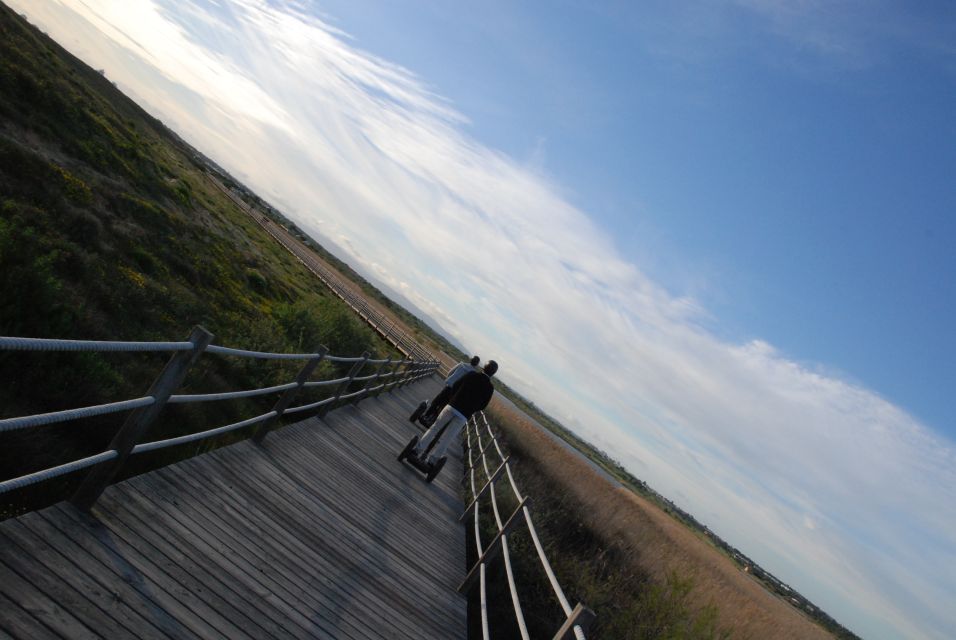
x=143, y=411
x=577, y=619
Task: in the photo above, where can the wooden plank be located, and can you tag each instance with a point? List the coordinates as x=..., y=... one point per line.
x=342, y=492
x=240, y=478
x=137, y=515
x=417, y=482
x=52, y=615
x=169, y=563
x=178, y=599
x=229, y=469
x=19, y=624
x=346, y=469
x=293, y=553
x=222, y=523
x=119, y=583
x=289, y=565
x=350, y=548
x=319, y=532
x=366, y=480
x=373, y=459
x=45, y=567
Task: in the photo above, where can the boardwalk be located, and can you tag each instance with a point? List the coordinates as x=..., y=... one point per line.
x=319, y=533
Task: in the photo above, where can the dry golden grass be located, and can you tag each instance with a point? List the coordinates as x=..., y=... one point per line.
x=661, y=544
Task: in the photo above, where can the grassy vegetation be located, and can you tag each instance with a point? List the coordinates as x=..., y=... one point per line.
x=418, y=328
x=615, y=470
x=599, y=571
x=110, y=230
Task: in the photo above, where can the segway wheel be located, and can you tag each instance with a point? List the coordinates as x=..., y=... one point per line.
x=419, y=410
x=408, y=449
x=435, y=469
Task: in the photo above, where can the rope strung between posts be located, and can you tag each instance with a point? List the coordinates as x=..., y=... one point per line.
x=143, y=411
x=519, y=614
x=47, y=344
x=229, y=395
x=555, y=585
x=12, y=424
x=53, y=472
x=482, y=586
x=572, y=615
x=192, y=437
x=266, y=355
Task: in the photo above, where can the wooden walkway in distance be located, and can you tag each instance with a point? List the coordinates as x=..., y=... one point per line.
x=318, y=533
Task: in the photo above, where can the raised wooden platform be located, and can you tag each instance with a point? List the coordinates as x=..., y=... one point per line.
x=319, y=533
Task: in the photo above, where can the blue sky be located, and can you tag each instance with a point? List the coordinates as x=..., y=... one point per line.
x=716, y=239
x=792, y=168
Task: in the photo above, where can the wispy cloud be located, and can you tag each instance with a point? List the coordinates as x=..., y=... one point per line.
x=829, y=485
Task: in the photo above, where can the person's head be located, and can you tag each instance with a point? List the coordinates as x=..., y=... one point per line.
x=475, y=360
x=490, y=368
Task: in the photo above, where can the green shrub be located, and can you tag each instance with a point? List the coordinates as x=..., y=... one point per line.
x=108, y=230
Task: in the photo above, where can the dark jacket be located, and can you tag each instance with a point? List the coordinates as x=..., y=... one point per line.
x=471, y=393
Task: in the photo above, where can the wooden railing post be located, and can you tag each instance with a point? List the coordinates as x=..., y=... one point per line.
x=378, y=376
x=395, y=378
x=418, y=366
x=580, y=617
x=139, y=420
x=481, y=492
x=409, y=372
x=353, y=373
x=283, y=403
x=494, y=547
x=372, y=381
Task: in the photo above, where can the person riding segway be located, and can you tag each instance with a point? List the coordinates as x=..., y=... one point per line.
x=426, y=412
x=470, y=393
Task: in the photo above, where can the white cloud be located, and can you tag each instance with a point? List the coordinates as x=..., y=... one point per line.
x=835, y=489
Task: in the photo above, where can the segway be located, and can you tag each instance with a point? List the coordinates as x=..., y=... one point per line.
x=420, y=462
x=419, y=412
x=426, y=413
x=425, y=417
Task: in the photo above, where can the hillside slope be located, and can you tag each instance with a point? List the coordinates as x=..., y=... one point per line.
x=109, y=229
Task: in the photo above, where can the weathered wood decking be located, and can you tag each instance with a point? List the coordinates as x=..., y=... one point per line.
x=318, y=533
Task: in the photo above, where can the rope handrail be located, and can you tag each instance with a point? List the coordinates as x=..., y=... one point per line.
x=542, y=557
x=261, y=355
x=13, y=343
x=482, y=453
x=313, y=405
x=515, y=600
x=25, y=422
x=53, y=472
x=145, y=409
x=269, y=355
x=352, y=395
x=352, y=359
x=555, y=585
x=201, y=435
x=483, y=598
x=229, y=395
x=322, y=383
